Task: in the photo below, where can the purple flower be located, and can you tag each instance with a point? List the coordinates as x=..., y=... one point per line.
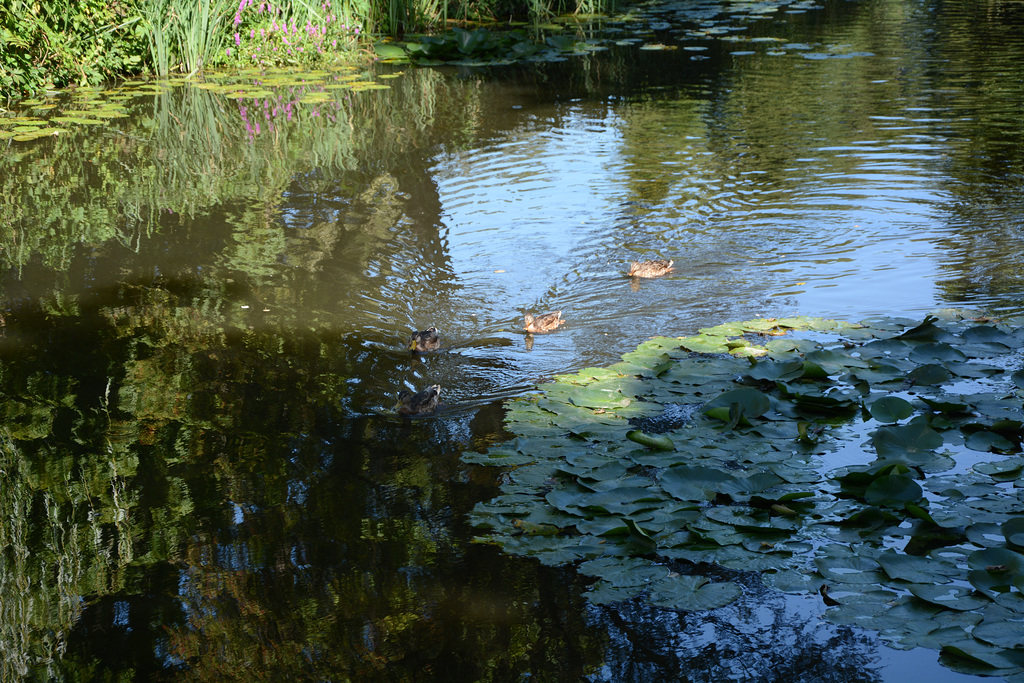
x=238, y=39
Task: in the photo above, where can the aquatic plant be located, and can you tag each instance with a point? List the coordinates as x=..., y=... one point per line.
x=269, y=34
x=697, y=460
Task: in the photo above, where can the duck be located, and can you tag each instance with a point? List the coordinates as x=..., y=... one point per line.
x=421, y=402
x=427, y=340
x=540, y=324
x=653, y=268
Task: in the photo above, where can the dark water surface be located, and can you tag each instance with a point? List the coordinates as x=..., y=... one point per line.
x=206, y=305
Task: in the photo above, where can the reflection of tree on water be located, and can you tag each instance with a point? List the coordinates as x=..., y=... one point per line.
x=765, y=636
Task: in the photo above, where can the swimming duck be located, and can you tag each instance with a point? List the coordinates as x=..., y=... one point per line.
x=542, y=323
x=427, y=340
x=422, y=402
x=649, y=268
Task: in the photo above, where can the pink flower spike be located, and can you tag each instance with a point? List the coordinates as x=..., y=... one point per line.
x=238, y=18
x=238, y=39
x=228, y=51
x=252, y=33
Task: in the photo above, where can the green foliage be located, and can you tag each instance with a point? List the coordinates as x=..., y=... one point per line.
x=184, y=34
x=723, y=475
x=308, y=34
x=55, y=43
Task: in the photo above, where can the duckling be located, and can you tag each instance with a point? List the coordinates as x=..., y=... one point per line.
x=546, y=322
x=649, y=268
x=427, y=340
x=422, y=402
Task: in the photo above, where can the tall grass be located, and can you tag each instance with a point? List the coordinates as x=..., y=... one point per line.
x=185, y=34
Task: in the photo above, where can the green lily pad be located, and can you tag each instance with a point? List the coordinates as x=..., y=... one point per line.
x=692, y=593
x=891, y=409
x=948, y=596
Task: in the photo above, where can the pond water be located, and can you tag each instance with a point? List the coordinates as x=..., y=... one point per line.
x=207, y=301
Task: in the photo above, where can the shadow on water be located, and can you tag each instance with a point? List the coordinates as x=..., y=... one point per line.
x=206, y=307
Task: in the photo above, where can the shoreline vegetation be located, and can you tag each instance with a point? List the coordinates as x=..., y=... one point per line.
x=48, y=45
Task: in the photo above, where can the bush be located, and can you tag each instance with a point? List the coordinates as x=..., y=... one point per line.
x=56, y=43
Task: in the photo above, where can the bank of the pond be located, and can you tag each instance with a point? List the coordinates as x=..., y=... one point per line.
x=57, y=44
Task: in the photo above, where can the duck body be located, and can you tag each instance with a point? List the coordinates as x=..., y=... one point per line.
x=653, y=268
x=543, y=323
x=422, y=402
x=427, y=340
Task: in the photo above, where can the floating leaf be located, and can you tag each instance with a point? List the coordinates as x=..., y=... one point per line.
x=659, y=442
x=891, y=409
x=690, y=592
x=949, y=596
x=986, y=441
x=694, y=483
x=894, y=490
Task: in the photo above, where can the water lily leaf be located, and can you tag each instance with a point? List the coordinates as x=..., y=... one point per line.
x=624, y=571
x=893, y=490
x=1001, y=561
x=925, y=353
x=916, y=569
x=603, y=593
x=1013, y=530
x=949, y=407
x=900, y=440
x=773, y=370
x=929, y=375
x=986, y=441
x=949, y=596
x=693, y=483
x=693, y=593
x=590, y=397
x=1006, y=634
x=1005, y=470
x=1018, y=379
x=751, y=402
x=849, y=569
x=986, y=334
x=705, y=344
x=658, y=442
x=891, y=409
x=927, y=331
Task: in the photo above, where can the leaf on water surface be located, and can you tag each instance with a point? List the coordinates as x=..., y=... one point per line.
x=1000, y=633
x=948, y=596
x=736, y=405
x=987, y=441
x=1004, y=470
x=899, y=440
x=853, y=569
x=936, y=351
x=893, y=490
x=693, y=593
x=693, y=483
x=891, y=409
x=705, y=344
x=916, y=569
x=929, y=375
x=1013, y=530
x=658, y=442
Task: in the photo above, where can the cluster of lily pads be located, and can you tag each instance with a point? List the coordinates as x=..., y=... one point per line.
x=655, y=25
x=46, y=117
x=878, y=464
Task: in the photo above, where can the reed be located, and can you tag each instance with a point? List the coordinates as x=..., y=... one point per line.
x=184, y=34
